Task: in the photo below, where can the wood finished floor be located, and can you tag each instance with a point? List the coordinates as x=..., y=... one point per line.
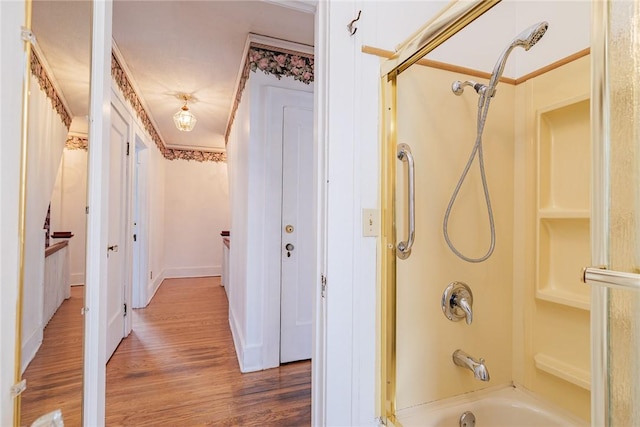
x=54, y=376
x=178, y=368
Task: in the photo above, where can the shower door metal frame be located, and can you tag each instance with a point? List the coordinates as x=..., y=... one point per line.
x=448, y=22
x=599, y=220
x=600, y=278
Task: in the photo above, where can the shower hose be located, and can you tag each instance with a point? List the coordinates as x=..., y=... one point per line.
x=483, y=108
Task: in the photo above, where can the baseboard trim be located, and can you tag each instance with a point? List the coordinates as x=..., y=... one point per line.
x=30, y=347
x=184, y=272
x=76, y=279
x=249, y=357
x=155, y=285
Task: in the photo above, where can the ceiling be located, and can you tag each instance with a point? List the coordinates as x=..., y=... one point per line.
x=169, y=48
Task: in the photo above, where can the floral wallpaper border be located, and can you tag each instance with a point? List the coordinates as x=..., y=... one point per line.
x=76, y=143
x=270, y=60
x=40, y=73
x=281, y=63
x=122, y=80
x=276, y=61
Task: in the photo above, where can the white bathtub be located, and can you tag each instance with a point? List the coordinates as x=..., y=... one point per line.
x=507, y=406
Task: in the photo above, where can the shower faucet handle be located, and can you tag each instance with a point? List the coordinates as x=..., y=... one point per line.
x=457, y=302
x=463, y=302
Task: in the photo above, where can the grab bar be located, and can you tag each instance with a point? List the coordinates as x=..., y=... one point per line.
x=404, y=248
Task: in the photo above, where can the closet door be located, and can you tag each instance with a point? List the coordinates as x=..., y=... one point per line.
x=298, y=241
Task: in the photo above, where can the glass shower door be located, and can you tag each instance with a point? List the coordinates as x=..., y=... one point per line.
x=616, y=228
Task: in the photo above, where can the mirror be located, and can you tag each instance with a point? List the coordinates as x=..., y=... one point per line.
x=522, y=238
x=53, y=291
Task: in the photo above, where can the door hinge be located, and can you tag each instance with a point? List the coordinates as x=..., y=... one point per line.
x=323, y=286
x=17, y=389
x=86, y=210
x=127, y=148
x=125, y=309
x=134, y=238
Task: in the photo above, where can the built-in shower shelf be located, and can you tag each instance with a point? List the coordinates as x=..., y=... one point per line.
x=574, y=300
x=563, y=217
x=564, y=213
x=564, y=156
x=557, y=354
x=563, y=250
x=561, y=369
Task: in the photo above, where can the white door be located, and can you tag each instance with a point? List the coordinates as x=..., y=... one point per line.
x=116, y=251
x=298, y=243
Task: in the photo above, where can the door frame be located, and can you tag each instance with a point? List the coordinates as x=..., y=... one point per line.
x=95, y=332
x=599, y=206
x=140, y=214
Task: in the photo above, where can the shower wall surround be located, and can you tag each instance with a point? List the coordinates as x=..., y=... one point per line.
x=552, y=236
x=441, y=130
x=530, y=311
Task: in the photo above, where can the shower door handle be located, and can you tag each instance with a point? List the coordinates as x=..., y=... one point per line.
x=404, y=246
x=600, y=276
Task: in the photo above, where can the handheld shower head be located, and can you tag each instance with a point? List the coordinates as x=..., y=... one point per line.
x=525, y=40
x=531, y=35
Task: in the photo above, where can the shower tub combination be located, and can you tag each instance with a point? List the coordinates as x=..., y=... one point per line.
x=503, y=406
x=420, y=171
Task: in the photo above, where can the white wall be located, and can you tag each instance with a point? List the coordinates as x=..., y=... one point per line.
x=252, y=257
x=196, y=211
x=68, y=209
x=157, y=166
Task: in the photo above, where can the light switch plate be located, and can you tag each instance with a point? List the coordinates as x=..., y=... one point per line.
x=370, y=222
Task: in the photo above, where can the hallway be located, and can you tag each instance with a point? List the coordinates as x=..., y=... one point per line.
x=178, y=367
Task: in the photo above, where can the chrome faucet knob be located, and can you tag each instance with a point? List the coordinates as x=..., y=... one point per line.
x=457, y=302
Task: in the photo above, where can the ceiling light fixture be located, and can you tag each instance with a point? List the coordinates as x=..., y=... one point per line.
x=184, y=119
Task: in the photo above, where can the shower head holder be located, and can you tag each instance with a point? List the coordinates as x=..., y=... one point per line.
x=457, y=87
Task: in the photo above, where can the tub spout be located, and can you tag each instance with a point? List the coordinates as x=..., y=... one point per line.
x=479, y=369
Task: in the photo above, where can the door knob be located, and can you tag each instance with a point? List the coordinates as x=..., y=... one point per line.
x=113, y=248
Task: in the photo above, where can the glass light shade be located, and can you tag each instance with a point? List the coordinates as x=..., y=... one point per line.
x=184, y=120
